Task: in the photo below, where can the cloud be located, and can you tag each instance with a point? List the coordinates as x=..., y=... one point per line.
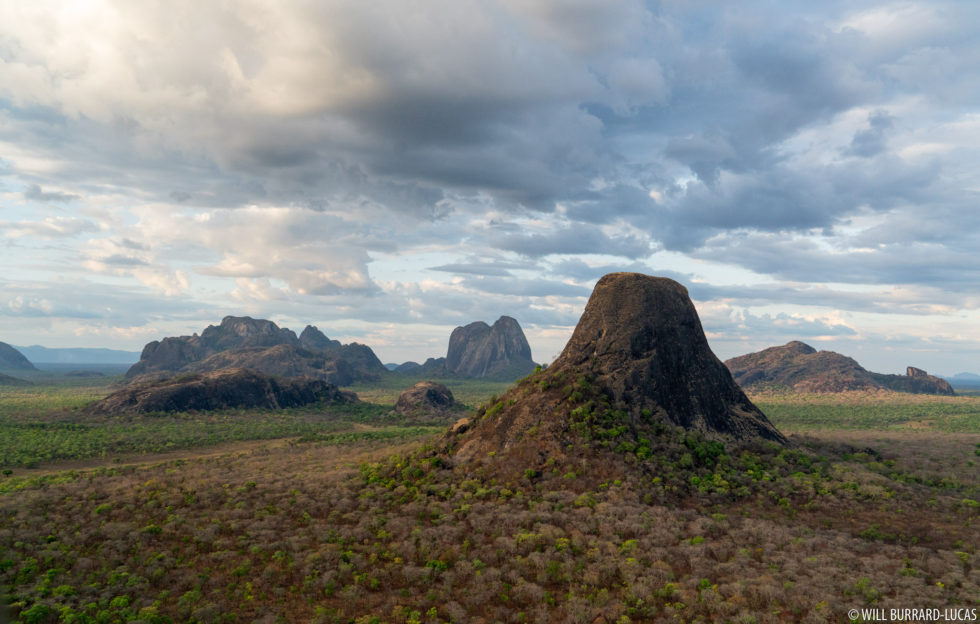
x=573, y=239
x=395, y=163
x=871, y=141
x=525, y=287
x=35, y=193
x=50, y=227
x=491, y=268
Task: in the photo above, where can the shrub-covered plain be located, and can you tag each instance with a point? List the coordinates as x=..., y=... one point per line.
x=358, y=525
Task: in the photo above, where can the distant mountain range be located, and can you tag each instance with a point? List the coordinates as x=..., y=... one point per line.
x=45, y=355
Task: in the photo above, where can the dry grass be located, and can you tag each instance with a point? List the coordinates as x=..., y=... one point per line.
x=287, y=531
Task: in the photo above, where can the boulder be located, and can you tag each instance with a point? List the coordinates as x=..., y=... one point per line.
x=426, y=398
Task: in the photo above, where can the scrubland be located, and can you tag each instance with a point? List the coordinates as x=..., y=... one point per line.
x=876, y=505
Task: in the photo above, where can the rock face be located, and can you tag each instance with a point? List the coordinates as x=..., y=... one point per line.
x=282, y=361
x=12, y=359
x=224, y=389
x=479, y=350
x=499, y=352
x=244, y=342
x=799, y=367
x=640, y=350
x=315, y=340
x=426, y=398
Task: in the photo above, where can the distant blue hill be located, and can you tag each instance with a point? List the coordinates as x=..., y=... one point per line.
x=964, y=380
x=44, y=355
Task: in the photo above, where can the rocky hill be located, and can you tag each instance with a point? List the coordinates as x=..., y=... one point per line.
x=498, y=352
x=637, y=364
x=12, y=359
x=799, y=367
x=223, y=389
x=244, y=342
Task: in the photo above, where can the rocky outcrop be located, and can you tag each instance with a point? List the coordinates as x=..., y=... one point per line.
x=244, y=342
x=498, y=352
x=426, y=399
x=236, y=332
x=12, y=359
x=637, y=361
x=484, y=351
x=801, y=368
x=225, y=389
x=915, y=381
x=315, y=340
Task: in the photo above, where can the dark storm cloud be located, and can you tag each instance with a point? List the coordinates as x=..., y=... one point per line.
x=871, y=141
x=523, y=102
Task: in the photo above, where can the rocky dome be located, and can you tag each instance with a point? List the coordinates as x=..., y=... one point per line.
x=479, y=350
x=426, y=398
x=12, y=359
x=244, y=342
x=637, y=360
x=801, y=368
x=499, y=352
x=223, y=389
x=236, y=332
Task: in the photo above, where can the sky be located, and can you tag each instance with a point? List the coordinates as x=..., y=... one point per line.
x=389, y=170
